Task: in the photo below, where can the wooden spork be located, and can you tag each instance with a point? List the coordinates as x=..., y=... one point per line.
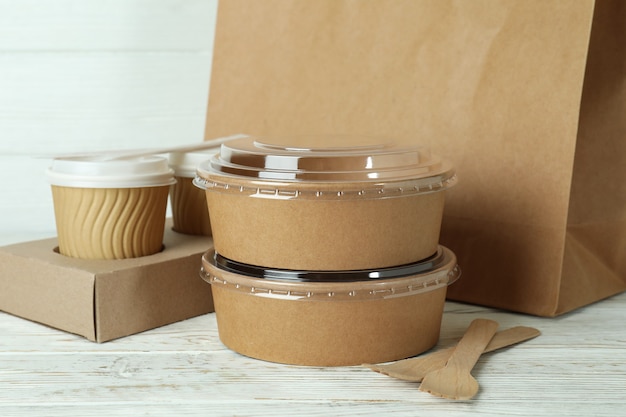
x=414, y=369
x=454, y=380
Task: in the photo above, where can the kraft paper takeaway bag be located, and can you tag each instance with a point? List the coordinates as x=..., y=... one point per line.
x=526, y=98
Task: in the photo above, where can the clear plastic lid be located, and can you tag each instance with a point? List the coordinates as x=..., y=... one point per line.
x=438, y=271
x=375, y=169
x=99, y=172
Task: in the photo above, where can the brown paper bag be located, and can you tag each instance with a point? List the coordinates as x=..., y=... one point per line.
x=526, y=97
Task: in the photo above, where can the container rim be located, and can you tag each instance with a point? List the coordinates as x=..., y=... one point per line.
x=442, y=273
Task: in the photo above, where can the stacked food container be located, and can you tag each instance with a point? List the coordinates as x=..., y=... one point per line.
x=327, y=255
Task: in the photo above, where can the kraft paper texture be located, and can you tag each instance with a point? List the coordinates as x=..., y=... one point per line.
x=525, y=97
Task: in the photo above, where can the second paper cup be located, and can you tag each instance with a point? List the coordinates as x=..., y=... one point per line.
x=189, y=207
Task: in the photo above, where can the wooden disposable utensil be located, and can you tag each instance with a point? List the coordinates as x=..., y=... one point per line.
x=414, y=369
x=454, y=380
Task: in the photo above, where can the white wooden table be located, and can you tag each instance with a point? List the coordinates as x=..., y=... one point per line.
x=89, y=75
x=576, y=367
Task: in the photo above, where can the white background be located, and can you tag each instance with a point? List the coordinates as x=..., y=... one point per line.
x=82, y=75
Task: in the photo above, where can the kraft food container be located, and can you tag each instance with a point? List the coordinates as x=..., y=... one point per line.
x=328, y=319
x=109, y=208
x=189, y=206
x=323, y=207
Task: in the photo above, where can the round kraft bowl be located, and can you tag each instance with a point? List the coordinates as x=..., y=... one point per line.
x=323, y=207
x=295, y=321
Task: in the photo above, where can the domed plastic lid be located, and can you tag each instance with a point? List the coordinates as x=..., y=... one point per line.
x=376, y=164
x=97, y=172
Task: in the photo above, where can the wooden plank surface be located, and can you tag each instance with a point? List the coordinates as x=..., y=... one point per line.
x=577, y=367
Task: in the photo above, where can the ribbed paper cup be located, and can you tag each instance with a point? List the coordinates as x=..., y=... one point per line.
x=110, y=209
x=189, y=207
x=325, y=207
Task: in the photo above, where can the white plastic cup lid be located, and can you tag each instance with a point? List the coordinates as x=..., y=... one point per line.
x=184, y=164
x=93, y=172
